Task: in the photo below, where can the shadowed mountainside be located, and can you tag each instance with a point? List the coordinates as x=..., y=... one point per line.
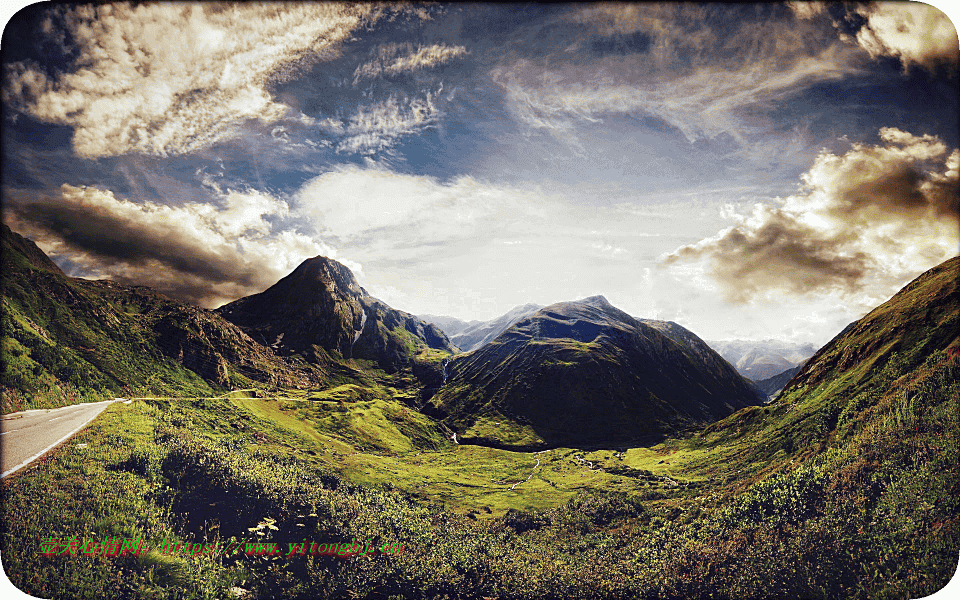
x=586, y=372
x=773, y=385
x=320, y=308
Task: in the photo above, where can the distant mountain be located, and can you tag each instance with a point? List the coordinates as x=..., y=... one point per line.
x=450, y=325
x=482, y=332
x=321, y=309
x=586, y=373
x=67, y=339
x=772, y=385
x=762, y=359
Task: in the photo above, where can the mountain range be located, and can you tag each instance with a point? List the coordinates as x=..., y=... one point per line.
x=762, y=359
x=578, y=373
x=472, y=335
x=586, y=372
x=67, y=337
x=848, y=479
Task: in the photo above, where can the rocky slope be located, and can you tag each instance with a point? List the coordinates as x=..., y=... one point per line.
x=321, y=309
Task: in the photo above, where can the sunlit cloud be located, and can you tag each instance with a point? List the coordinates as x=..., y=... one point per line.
x=473, y=241
x=665, y=61
x=394, y=59
x=376, y=128
x=130, y=92
x=863, y=224
x=914, y=32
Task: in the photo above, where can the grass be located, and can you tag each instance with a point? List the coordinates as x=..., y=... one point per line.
x=386, y=444
x=871, y=514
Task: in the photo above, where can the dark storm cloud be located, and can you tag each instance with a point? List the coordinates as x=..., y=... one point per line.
x=776, y=251
x=198, y=253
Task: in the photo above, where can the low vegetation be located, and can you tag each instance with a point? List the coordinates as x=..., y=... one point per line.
x=869, y=510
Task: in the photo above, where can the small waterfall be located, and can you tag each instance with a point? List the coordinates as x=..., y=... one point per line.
x=357, y=332
x=446, y=364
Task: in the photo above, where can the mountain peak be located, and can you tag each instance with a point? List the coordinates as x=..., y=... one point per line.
x=585, y=372
x=597, y=301
x=325, y=271
x=320, y=304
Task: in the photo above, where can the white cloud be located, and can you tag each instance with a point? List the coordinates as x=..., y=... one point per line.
x=863, y=224
x=914, y=32
x=705, y=103
x=393, y=59
x=807, y=9
x=169, y=78
x=201, y=253
x=378, y=127
x=477, y=249
x=685, y=74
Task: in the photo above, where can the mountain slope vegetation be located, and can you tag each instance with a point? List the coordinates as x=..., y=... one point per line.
x=68, y=340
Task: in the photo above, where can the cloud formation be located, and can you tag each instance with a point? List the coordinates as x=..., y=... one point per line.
x=865, y=221
x=914, y=32
x=170, y=78
x=377, y=128
x=202, y=253
x=394, y=59
x=472, y=247
x=683, y=64
x=353, y=204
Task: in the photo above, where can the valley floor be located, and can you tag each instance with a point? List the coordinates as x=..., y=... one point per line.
x=775, y=501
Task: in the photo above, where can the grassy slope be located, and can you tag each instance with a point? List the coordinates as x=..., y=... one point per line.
x=69, y=340
x=846, y=487
x=63, y=343
x=871, y=517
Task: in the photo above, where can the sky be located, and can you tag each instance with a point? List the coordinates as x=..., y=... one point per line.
x=769, y=171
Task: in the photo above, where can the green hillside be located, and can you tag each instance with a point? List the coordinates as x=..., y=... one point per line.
x=68, y=340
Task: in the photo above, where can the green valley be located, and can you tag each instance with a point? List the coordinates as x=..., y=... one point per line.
x=845, y=486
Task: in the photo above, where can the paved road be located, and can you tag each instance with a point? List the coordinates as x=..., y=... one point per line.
x=28, y=435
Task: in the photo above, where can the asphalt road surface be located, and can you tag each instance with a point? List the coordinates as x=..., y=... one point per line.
x=28, y=435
